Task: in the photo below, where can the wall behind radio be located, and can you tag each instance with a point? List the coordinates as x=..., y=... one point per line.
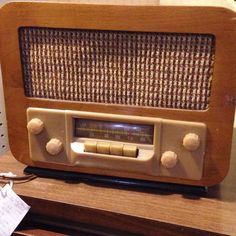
x=4, y=146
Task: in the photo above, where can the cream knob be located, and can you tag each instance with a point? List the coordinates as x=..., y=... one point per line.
x=169, y=159
x=191, y=142
x=35, y=126
x=54, y=146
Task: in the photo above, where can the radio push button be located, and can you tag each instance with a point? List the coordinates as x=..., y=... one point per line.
x=169, y=159
x=90, y=146
x=130, y=151
x=191, y=141
x=54, y=146
x=116, y=149
x=35, y=126
x=103, y=148
x=111, y=148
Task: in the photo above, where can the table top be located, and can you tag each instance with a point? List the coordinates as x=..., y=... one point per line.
x=127, y=209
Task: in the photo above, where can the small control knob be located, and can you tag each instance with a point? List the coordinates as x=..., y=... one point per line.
x=35, y=126
x=54, y=146
x=169, y=159
x=191, y=141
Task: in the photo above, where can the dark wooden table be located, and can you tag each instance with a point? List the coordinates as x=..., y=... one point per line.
x=77, y=208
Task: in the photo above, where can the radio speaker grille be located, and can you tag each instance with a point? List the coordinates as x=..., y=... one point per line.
x=170, y=70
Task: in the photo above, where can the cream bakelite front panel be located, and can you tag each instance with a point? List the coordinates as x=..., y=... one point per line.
x=167, y=156
x=54, y=127
x=190, y=163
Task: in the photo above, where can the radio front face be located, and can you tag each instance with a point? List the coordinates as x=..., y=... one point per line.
x=119, y=97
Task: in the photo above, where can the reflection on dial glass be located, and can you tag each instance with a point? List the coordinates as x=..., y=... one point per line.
x=116, y=131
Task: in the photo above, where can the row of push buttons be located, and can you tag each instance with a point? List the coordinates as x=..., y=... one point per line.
x=111, y=148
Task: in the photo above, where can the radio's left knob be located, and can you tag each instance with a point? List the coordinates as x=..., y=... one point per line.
x=54, y=146
x=169, y=159
x=35, y=126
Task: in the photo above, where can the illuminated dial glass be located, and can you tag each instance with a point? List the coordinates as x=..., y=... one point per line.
x=116, y=131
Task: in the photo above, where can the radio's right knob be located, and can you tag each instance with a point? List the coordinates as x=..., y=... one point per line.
x=35, y=126
x=169, y=159
x=54, y=146
x=191, y=141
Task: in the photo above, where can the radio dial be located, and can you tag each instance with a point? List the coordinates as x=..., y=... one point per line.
x=35, y=126
x=54, y=146
x=169, y=159
x=191, y=141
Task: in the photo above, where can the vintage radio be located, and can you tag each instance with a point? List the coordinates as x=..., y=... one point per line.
x=134, y=91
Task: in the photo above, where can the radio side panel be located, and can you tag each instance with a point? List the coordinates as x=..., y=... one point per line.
x=218, y=117
x=4, y=147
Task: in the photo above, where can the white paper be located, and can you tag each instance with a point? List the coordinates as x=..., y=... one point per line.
x=12, y=210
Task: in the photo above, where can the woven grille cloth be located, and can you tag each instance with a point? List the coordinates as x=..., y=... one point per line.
x=170, y=70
